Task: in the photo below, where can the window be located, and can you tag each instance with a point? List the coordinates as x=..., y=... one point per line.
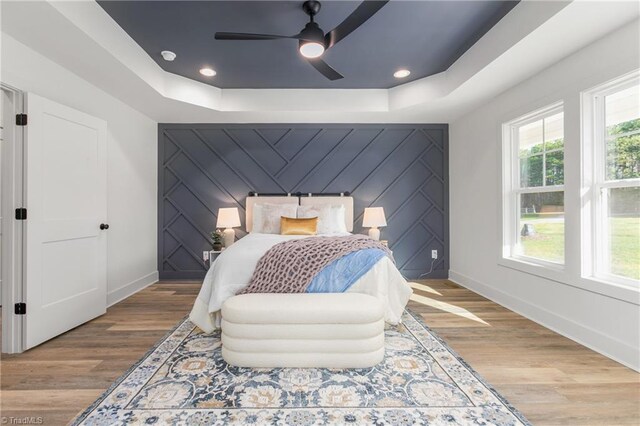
x=534, y=187
x=612, y=180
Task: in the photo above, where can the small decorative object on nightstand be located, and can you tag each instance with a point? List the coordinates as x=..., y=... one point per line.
x=228, y=218
x=216, y=237
x=373, y=218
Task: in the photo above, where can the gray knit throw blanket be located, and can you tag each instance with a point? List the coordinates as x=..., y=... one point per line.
x=290, y=266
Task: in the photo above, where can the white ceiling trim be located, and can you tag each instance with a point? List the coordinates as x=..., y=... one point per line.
x=513, y=50
x=98, y=25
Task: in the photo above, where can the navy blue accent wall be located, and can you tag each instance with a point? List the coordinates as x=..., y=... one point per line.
x=401, y=167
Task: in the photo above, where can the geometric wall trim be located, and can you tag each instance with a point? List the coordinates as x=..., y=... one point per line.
x=401, y=167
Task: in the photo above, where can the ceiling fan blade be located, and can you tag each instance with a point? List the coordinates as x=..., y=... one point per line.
x=366, y=10
x=246, y=36
x=325, y=69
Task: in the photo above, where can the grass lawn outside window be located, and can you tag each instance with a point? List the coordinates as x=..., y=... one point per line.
x=548, y=242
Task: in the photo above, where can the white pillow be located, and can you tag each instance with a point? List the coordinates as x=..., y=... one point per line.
x=266, y=217
x=331, y=219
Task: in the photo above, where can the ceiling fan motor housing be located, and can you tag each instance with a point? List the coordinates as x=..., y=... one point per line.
x=312, y=32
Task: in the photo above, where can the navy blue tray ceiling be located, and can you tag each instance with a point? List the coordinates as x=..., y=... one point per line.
x=425, y=37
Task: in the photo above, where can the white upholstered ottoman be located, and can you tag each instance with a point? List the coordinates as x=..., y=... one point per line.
x=332, y=330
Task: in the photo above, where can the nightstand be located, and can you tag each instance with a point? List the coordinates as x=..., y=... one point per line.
x=213, y=254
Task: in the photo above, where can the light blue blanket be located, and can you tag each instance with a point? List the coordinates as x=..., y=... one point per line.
x=342, y=273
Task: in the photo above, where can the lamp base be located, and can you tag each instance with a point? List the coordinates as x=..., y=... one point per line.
x=229, y=237
x=374, y=234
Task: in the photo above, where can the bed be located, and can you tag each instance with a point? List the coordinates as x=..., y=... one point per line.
x=232, y=271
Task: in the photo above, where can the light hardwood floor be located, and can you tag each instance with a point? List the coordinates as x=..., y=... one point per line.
x=550, y=379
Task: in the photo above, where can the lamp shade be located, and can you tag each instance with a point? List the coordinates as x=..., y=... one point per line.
x=374, y=217
x=228, y=218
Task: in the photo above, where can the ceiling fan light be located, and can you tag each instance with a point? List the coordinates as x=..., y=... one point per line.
x=311, y=50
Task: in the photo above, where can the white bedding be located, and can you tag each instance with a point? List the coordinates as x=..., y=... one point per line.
x=232, y=271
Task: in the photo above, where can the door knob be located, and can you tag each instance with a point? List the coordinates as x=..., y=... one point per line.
x=104, y=226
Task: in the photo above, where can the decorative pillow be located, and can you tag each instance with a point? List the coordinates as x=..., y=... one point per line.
x=338, y=220
x=293, y=226
x=331, y=219
x=266, y=217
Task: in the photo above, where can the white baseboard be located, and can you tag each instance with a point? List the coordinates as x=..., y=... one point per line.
x=133, y=287
x=612, y=348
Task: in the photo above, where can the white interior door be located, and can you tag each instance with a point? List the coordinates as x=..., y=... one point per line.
x=5, y=116
x=65, y=197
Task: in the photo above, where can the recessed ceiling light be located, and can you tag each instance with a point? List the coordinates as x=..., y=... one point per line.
x=401, y=73
x=207, y=72
x=168, y=55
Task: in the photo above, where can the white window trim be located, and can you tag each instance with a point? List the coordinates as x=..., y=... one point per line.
x=572, y=275
x=510, y=191
x=593, y=183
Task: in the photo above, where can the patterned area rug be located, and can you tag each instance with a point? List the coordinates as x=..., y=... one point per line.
x=184, y=380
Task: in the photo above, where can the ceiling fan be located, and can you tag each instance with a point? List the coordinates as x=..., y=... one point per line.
x=312, y=41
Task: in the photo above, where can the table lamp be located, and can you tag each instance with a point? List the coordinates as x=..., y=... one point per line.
x=373, y=218
x=228, y=218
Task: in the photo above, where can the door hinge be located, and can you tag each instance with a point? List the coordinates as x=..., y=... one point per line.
x=21, y=119
x=21, y=213
x=20, y=308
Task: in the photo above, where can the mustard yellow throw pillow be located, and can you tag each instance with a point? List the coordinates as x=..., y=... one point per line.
x=292, y=226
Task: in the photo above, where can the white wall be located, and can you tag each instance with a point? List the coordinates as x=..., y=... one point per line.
x=131, y=163
x=606, y=324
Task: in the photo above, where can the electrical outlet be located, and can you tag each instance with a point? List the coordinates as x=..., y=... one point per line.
x=205, y=255
x=434, y=254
